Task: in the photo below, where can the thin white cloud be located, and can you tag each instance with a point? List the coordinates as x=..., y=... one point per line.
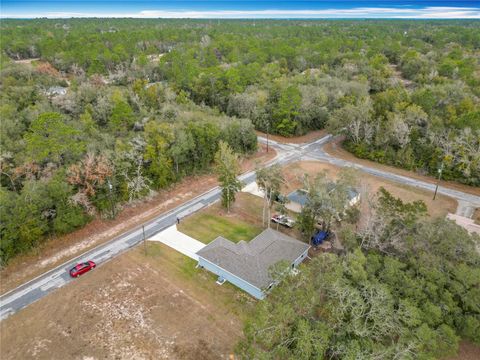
x=365, y=12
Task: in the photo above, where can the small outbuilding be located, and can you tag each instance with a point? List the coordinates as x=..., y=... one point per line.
x=298, y=198
x=247, y=264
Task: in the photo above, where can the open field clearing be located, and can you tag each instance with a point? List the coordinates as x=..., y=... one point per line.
x=244, y=221
x=56, y=250
x=368, y=186
x=335, y=148
x=157, y=306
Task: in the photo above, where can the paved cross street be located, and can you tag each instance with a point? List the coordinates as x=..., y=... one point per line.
x=46, y=283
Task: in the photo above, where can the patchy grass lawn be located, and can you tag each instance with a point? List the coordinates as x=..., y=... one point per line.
x=214, y=221
x=206, y=226
x=137, y=306
x=243, y=223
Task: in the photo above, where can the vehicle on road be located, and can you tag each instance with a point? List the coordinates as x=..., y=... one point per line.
x=283, y=220
x=82, y=268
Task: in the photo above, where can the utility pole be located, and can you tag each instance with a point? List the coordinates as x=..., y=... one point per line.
x=144, y=240
x=440, y=170
x=228, y=199
x=268, y=130
x=112, y=207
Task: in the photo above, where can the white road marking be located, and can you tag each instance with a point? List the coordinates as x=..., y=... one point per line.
x=5, y=313
x=285, y=153
x=56, y=283
x=191, y=210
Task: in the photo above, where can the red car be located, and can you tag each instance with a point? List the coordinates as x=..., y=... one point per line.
x=82, y=268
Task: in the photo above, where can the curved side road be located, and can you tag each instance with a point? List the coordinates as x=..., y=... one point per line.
x=35, y=289
x=314, y=151
x=319, y=154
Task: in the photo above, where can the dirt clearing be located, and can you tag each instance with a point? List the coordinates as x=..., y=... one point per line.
x=335, y=148
x=467, y=351
x=157, y=306
x=369, y=185
x=57, y=250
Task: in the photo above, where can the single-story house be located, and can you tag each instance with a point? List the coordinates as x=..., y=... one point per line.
x=247, y=264
x=299, y=198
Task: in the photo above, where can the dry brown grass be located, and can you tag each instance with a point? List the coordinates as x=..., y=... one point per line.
x=134, y=307
x=57, y=250
x=476, y=216
x=369, y=185
x=467, y=351
x=335, y=148
x=260, y=157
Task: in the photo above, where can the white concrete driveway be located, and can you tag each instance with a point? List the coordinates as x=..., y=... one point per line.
x=179, y=241
x=252, y=188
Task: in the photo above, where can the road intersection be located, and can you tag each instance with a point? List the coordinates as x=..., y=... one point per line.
x=42, y=285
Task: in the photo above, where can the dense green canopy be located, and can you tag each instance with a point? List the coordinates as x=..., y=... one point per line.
x=147, y=102
x=408, y=288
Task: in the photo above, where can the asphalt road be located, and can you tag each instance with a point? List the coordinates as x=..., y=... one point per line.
x=51, y=280
x=316, y=152
x=35, y=289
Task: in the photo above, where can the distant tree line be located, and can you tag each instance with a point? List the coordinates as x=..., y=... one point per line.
x=149, y=100
x=407, y=91
x=66, y=159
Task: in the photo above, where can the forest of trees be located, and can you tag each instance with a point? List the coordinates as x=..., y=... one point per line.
x=407, y=91
x=147, y=102
x=407, y=288
x=96, y=114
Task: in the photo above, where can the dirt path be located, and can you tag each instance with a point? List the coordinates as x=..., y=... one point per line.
x=26, y=61
x=397, y=75
x=57, y=250
x=334, y=148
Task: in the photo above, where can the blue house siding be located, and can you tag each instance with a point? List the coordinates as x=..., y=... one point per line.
x=239, y=282
x=235, y=280
x=300, y=259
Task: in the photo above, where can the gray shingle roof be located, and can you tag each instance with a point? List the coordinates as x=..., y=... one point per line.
x=301, y=196
x=251, y=260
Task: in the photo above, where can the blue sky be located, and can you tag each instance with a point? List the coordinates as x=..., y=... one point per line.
x=418, y=9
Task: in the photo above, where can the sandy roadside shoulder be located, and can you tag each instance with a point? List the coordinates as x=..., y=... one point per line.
x=57, y=250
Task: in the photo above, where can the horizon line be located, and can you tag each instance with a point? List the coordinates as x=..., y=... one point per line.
x=430, y=13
